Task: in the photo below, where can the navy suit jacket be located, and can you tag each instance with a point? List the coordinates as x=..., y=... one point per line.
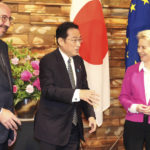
x=53, y=121
x=6, y=92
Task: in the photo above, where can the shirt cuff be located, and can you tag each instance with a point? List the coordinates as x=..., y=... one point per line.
x=76, y=97
x=132, y=109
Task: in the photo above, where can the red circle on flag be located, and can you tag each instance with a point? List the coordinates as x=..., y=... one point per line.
x=93, y=32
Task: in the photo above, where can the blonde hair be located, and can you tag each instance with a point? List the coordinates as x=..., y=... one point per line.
x=145, y=34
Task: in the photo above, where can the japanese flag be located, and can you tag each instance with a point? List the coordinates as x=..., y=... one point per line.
x=94, y=49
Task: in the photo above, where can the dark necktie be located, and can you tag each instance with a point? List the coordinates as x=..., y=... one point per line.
x=70, y=72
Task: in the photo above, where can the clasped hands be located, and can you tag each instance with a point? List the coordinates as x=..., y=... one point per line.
x=141, y=108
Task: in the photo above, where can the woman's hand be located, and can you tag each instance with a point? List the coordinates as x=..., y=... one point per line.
x=143, y=109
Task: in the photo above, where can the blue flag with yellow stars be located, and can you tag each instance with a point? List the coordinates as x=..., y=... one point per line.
x=138, y=20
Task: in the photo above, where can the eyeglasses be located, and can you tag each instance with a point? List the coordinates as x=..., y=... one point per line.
x=5, y=18
x=75, y=40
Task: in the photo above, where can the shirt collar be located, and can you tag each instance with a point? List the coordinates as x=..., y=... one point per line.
x=142, y=67
x=65, y=57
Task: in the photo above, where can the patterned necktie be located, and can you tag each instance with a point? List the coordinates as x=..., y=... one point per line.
x=70, y=72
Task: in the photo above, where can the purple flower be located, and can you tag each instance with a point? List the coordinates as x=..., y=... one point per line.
x=36, y=83
x=26, y=75
x=35, y=65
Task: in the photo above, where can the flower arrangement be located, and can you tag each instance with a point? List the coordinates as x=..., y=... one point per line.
x=25, y=72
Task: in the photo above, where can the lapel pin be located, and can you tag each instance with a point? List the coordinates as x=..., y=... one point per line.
x=78, y=70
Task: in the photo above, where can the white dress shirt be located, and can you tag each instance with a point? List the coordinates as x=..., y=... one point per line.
x=132, y=109
x=76, y=97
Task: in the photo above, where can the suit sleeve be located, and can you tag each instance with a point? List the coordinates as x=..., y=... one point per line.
x=6, y=99
x=50, y=90
x=125, y=95
x=87, y=108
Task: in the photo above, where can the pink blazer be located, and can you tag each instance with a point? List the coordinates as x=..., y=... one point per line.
x=133, y=92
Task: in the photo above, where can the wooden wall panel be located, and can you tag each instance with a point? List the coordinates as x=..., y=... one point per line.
x=116, y=3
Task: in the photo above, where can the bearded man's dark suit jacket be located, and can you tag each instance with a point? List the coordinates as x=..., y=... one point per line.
x=53, y=121
x=6, y=90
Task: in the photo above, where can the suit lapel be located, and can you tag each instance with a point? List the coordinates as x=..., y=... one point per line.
x=5, y=66
x=62, y=68
x=140, y=84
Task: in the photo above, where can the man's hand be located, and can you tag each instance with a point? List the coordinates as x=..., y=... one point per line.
x=92, y=124
x=9, y=120
x=11, y=142
x=90, y=97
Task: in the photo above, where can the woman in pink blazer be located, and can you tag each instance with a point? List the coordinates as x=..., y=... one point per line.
x=135, y=98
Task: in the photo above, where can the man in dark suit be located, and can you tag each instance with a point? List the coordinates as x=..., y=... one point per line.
x=8, y=121
x=58, y=122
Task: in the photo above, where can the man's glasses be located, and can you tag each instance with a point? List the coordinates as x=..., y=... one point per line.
x=5, y=18
x=75, y=40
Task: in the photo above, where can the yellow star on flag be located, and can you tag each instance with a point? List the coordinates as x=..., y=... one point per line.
x=127, y=54
x=127, y=40
x=132, y=7
x=135, y=62
x=145, y=1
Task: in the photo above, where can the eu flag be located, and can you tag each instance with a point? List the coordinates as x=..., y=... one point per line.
x=138, y=20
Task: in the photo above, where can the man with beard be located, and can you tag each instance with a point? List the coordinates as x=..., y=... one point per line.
x=8, y=121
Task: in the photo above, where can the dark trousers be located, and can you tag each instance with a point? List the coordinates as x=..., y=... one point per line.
x=136, y=135
x=73, y=144
x=4, y=146
x=25, y=139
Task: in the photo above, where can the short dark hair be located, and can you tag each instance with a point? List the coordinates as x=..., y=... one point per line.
x=62, y=29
